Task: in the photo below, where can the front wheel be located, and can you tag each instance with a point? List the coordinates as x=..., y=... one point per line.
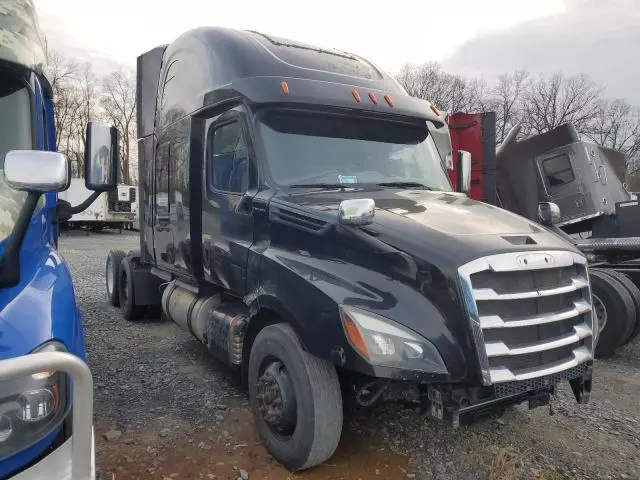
x=295, y=398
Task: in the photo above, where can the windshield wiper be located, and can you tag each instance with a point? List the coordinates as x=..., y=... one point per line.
x=405, y=185
x=321, y=185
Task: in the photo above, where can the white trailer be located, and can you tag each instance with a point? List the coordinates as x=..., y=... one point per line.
x=115, y=209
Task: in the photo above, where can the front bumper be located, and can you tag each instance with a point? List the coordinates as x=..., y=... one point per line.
x=449, y=402
x=55, y=466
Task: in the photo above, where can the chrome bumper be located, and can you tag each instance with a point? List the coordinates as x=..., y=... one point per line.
x=74, y=460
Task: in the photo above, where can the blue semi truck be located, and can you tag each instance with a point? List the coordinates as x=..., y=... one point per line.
x=45, y=385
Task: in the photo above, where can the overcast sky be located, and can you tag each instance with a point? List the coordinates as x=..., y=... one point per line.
x=598, y=37
x=469, y=36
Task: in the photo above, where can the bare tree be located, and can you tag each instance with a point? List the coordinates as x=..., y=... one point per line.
x=62, y=74
x=86, y=95
x=449, y=92
x=477, y=96
x=80, y=97
x=506, y=101
x=119, y=103
x=539, y=104
x=617, y=126
x=421, y=81
x=75, y=98
x=550, y=102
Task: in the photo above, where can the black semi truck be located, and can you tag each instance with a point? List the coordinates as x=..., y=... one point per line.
x=297, y=218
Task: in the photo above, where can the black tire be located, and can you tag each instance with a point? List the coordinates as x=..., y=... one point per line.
x=318, y=415
x=619, y=308
x=126, y=292
x=112, y=274
x=634, y=291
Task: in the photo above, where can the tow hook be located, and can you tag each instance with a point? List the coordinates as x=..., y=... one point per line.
x=442, y=407
x=581, y=386
x=539, y=398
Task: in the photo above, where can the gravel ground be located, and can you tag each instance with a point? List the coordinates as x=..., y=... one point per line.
x=164, y=409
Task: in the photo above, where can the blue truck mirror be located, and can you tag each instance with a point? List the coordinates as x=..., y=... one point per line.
x=101, y=157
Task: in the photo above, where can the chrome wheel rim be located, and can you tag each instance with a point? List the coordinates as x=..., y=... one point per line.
x=110, y=279
x=601, y=313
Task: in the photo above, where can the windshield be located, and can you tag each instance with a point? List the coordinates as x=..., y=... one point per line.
x=307, y=148
x=15, y=133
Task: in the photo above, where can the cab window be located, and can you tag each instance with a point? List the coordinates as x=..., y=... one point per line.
x=15, y=134
x=558, y=171
x=228, y=159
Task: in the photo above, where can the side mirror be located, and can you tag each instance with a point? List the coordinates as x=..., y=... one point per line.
x=37, y=171
x=101, y=157
x=358, y=211
x=463, y=173
x=548, y=213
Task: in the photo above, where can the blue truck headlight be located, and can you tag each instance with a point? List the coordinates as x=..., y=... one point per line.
x=383, y=342
x=32, y=407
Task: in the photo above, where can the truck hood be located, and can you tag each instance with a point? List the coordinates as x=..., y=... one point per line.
x=404, y=265
x=432, y=225
x=39, y=309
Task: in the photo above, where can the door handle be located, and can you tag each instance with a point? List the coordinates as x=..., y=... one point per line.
x=163, y=219
x=602, y=173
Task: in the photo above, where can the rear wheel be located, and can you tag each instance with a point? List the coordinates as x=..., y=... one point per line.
x=634, y=291
x=126, y=292
x=112, y=273
x=614, y=310
x=295, y=398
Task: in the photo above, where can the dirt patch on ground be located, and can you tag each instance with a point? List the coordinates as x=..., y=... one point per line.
x=230, y=448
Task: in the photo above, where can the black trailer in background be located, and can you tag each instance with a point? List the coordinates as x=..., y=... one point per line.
x=597, y=212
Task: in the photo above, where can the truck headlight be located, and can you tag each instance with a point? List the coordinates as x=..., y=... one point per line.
x=31, y=407
x=384, y=342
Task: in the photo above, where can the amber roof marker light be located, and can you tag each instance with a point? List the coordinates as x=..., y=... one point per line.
x=356, y=95
x=388, y=100
x=373, y=98
x=284, y=87
x=435, y=110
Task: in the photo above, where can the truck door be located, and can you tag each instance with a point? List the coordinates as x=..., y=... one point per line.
x=227, y=216
x=163, y=242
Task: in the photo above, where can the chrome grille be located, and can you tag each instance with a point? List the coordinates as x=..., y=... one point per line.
x=531, y=313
